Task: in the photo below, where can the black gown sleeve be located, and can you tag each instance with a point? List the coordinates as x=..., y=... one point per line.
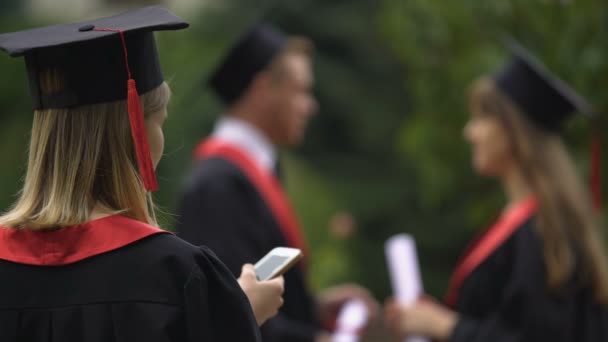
x=226, y=215
x=216, y=308
x=525, y=310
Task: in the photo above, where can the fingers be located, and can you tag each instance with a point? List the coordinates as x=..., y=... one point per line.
x=281, y=279
x=391, y=310
x=280, y=303
x=373, y=306
x=390, y=304
x=425, y=298
x=276, y=287
x=358, y=292
x=275, y=296
x=394, y=317
x=247, y=274
x=248, y=270
x=278, y=283
x=278, y=280
x=280, y=286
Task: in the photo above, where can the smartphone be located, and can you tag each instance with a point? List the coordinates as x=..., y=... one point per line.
x=276, y=262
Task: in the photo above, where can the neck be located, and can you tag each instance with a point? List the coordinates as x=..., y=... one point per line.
x=515, y=185
x=248, y=114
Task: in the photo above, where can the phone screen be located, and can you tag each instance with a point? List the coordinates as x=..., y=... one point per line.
x=265, y=270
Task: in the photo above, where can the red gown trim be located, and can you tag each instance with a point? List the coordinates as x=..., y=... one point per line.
x=264, y=182
x=488, y=242
x=72, y=244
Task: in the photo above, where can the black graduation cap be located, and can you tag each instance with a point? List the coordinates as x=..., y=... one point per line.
x=92, y=62
x=95, y=59
x=544, y=98
x=250, y=55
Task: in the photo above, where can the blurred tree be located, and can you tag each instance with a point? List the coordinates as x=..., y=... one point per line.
x=386, y=146
x=15, y=112
x=7, y=6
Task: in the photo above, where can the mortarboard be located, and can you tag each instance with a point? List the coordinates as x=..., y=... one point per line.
x=95, y=59
x=250, y=55
x=543, y=98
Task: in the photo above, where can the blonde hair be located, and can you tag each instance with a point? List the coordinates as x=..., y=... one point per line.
x=79, y=158
x=565, y=222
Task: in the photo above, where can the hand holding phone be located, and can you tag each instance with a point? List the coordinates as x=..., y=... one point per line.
x=265, y=297
x=277, y=262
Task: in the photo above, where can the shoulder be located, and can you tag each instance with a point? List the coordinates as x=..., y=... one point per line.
x=171, y=246
x=174, y=254
x=195, y=261
x=214, y=167
x=524, y=235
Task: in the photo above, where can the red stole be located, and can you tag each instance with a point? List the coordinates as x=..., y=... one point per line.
x=264, y=182
x=72, y=244
x=488, y=242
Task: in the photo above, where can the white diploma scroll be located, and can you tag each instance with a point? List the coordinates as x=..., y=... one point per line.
x=351, y=320
x=404, y=271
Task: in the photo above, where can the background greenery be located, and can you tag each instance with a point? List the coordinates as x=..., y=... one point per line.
x=386, y=146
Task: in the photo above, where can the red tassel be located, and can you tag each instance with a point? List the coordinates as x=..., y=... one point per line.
x=595, y=178
x=138, y=132
x=136, y=118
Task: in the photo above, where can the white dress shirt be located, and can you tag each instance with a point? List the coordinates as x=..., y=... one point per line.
x=248, y=138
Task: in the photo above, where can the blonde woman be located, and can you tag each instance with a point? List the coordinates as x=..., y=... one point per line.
x=81, y=258
x=539, y=273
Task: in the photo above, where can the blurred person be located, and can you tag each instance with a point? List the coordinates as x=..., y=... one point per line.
x=81, y=258
x=539, y=273
x=234, y=201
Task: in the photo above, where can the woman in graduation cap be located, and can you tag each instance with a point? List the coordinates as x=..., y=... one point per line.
x=81, y=258
x=539, y=273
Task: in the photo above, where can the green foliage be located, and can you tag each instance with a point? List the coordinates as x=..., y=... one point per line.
x=386, y=146
x=15, y=117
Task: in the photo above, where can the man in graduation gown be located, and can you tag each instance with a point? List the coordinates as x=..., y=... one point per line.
x=234, y=202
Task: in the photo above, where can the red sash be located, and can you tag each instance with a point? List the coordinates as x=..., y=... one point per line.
x=265, y=183
x=72, y=244
x=488, y=242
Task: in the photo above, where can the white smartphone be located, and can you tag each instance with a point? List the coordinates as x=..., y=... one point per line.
x=276, y=262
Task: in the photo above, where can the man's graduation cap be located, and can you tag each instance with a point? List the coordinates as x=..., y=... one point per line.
x=252, y=53
x=547, y=101
x=102, y=60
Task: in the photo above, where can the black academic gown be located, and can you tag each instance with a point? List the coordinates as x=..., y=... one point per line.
x=117, y=280
x=505, y=299
x=220, y=208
